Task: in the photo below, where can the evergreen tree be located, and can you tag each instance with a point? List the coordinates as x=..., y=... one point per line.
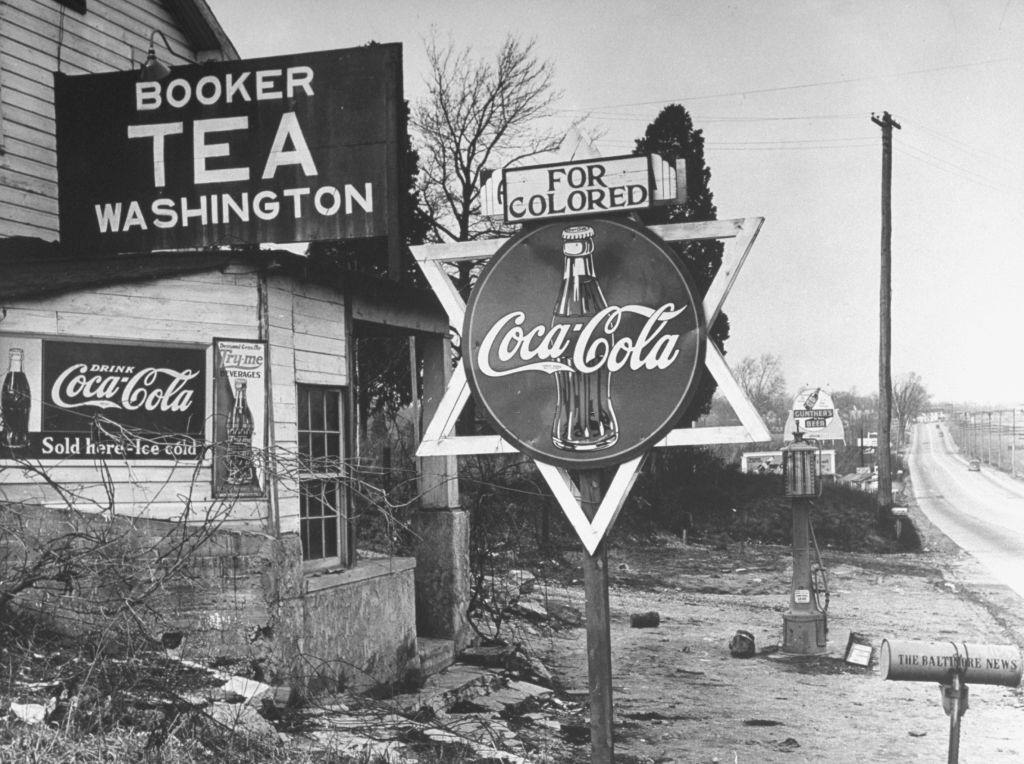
x=672, y=136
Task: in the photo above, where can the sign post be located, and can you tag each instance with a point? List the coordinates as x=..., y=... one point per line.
x=951, y=664
x=583, y=346
x=599, y=638
x=587, y=377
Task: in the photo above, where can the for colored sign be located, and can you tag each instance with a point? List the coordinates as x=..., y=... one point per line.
x=595, y=186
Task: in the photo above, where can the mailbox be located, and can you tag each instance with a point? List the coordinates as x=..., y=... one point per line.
x=906, y=660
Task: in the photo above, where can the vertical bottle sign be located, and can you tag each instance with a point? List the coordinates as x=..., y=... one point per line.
x=241, y=469
x=240, y=399
x=584, y=343
x=15, y=402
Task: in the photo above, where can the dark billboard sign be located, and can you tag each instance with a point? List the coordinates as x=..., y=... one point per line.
x=584, y=343
x=95, y=401
x=283, y=149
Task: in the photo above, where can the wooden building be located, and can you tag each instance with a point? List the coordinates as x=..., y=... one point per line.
x=277, y=575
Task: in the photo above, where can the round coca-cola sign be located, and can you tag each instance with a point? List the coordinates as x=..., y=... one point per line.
x=583, y=343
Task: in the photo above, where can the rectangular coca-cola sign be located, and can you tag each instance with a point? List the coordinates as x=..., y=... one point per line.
x=96, y=401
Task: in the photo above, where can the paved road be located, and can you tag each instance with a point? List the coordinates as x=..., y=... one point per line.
x=982, y=512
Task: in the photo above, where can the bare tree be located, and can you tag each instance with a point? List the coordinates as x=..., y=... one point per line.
x=909, y=398
x=479, y=115
x=762, y=380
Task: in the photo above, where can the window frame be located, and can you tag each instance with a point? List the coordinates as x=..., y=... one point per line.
x=318, y=479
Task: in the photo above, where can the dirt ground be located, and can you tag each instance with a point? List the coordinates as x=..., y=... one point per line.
x=681, y=697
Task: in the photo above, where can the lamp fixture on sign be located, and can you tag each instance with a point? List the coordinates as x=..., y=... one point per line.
x=154, y=69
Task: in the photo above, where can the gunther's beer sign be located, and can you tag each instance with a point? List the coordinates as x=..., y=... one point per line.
x=584, y=343
x=99, y=401
x=292, y=148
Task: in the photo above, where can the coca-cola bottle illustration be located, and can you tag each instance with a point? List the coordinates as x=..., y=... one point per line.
x=584, y=418
x=15, y=402
x=240, y=469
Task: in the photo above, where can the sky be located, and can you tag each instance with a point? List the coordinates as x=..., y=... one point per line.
x=784, y=92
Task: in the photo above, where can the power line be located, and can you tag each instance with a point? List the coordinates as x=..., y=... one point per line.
x=716, y=147
x=785, y=145
x=788, y=141
x=820, y=83
x=959, y=169
x=702, y=118
x=951, y=169
x=964, y=146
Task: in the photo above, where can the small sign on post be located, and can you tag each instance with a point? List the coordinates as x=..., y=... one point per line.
x=904, y=660
x=814, y=414
x=586, y=187
x=952, y=665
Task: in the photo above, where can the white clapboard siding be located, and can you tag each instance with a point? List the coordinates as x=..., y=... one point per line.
x=187, y=309
x=307, y=346
x=37, y=38
x=319, y=325
x=20, y=180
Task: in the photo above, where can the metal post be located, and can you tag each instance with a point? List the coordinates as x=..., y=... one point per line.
x=599, y=643
x=999, y=438
x=988, y=437
x=1013, y=442
x=954, y=691
x=803, y=626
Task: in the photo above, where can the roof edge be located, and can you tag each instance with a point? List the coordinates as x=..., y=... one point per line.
x=202, y=27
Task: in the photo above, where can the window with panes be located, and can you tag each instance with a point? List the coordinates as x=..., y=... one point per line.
x=324, y=519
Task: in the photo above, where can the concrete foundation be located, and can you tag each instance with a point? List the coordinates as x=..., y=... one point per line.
x=358, y=627
x=442, y=574
x=235, y=595
x=804, y=633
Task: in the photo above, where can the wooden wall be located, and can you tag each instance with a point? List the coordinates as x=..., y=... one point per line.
x=192, y=309
x=37, y=38
x=307, y=345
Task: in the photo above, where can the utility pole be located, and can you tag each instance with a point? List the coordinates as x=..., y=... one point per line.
x=885, y=323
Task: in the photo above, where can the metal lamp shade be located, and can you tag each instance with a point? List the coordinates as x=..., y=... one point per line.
x=800, y=467
x=154, y=69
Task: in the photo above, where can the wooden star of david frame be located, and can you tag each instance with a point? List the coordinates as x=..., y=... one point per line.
x=439, y=437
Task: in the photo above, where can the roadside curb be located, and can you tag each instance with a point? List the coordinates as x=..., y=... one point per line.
x=965, y=575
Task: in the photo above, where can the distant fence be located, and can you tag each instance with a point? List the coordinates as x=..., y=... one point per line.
x=994, y=437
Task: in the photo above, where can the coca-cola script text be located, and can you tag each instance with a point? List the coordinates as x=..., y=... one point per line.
x=149, y=388
x=587, y=346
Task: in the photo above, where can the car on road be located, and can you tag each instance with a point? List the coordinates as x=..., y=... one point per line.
x=974, y=465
